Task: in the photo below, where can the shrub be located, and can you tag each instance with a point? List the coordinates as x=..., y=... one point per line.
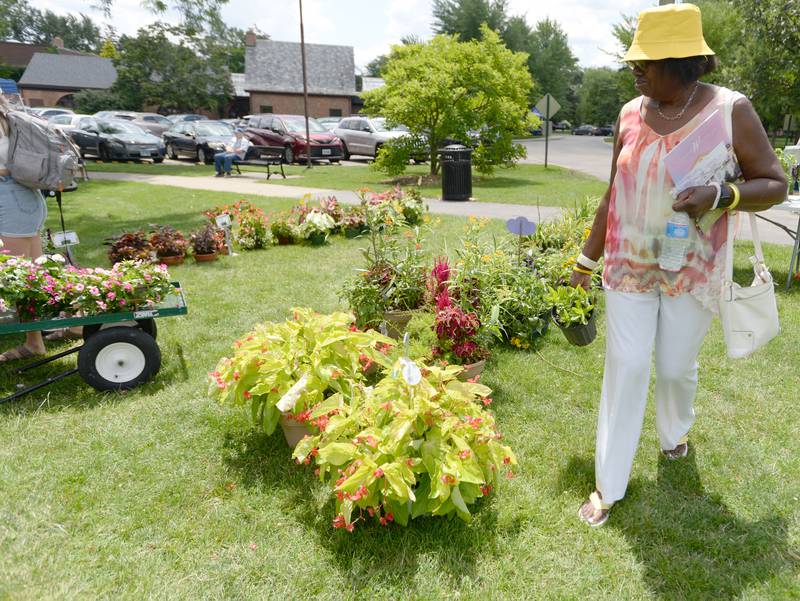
x=134, y=246
x=419, y=443
x=168, y=242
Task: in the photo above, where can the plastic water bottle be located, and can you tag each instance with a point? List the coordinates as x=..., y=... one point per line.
x=675, y=242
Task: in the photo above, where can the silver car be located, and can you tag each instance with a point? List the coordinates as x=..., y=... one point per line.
x=364, y=135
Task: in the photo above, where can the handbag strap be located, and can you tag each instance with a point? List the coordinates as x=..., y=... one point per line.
x=759, y=252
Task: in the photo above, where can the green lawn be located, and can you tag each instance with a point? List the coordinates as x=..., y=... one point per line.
x=161, y=493
x=523, y=184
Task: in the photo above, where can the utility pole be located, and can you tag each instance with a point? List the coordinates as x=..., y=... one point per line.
x=305, y=87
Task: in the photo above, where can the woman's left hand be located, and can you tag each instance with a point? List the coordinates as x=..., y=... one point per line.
x=695, y=201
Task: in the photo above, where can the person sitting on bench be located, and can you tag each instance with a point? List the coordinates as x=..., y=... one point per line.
x=235, y=149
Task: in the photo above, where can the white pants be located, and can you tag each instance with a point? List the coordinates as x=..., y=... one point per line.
x=636, y=322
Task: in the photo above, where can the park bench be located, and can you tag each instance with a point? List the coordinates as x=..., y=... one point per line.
x=262, y=156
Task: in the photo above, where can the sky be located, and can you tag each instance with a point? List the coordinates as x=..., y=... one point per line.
x=371, y=26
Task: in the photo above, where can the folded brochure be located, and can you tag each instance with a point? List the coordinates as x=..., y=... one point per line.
x=702, y=157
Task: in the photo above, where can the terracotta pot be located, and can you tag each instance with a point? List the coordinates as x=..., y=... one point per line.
x=396, y=322
x=581, y=334
x=172, y=260
x=223, y=250
x=293, y=431
x=205, y=258
x=472, y=370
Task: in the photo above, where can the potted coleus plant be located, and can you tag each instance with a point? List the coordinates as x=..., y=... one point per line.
x=205, y=243
x=316, y=227
x=354, y=222
x=169, y=244
x=281, y=370
x=283, y=229
x=129, y=246
x=458, y=334
x=573, y=312
x=418, y=443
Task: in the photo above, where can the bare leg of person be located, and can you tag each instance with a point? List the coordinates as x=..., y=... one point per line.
x=29, y=248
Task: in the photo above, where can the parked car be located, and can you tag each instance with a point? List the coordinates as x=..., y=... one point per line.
x=329, y=123
x=289, y=131
x=187, y=117
x=584, y=130
x=562, y=126
x=365, y=136
x=115, y=139
x=604, y=130
x=47, y=112
x=199, y=140
x=67, y=123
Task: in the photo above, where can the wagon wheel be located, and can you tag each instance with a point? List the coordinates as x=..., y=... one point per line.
x=118, y=358
x=148, y=326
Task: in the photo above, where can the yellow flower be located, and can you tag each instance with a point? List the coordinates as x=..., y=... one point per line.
x=586, y=232
x=473, y=219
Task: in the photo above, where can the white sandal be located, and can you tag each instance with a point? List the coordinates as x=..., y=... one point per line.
x=599, y=506
x=680, y=451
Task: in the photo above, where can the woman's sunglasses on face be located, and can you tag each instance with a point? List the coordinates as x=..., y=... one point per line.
x=639, y=65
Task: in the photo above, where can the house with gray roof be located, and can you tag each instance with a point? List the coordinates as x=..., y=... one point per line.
x=274, y=77
x=52, y=79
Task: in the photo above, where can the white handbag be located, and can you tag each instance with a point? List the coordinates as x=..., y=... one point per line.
x=749, y=315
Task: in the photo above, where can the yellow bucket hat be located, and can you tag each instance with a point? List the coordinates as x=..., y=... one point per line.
x=669, y=31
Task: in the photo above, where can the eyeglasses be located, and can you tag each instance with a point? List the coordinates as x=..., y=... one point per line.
x=639, y=65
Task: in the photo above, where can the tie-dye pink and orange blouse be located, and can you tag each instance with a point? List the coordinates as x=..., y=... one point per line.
x=641, y=204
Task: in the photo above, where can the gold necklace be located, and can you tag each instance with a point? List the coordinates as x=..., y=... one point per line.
x=683, y=110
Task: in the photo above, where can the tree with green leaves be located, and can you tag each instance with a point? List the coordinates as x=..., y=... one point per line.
x=446, y=88
x=598, y=102
x=163, y=66
x=25, y=23
x=465, y=17
x=554, y=66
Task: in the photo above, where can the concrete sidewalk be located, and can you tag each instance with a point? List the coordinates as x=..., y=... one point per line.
x=252, y=185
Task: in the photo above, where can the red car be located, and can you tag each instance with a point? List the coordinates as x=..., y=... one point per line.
x=289, y=131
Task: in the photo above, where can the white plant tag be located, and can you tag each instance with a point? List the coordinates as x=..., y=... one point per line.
x=411, y=373
x=289, y=400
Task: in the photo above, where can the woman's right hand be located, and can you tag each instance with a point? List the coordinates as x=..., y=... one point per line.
x=580, y=279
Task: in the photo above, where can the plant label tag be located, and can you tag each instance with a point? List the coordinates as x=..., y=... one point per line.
x=411, y=373
x=521, y=226
x=223, y=221
x=62, y=239
x=144, y=314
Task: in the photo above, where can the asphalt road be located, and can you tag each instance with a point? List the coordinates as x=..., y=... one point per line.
x=589, y=154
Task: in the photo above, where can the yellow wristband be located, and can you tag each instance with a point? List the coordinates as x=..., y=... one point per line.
x=737, y=196
x=582, y=270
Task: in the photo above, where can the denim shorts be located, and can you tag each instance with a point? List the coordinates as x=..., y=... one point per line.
x=22, y=210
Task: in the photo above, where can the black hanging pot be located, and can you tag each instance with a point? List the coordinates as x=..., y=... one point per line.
x=578, y=334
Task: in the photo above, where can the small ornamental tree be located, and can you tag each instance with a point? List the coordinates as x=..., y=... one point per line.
x=444, y=89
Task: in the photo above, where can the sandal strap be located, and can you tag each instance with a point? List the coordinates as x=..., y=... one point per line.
x=598, y=503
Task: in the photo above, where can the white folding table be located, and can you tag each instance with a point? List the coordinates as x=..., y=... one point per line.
x=791, y=205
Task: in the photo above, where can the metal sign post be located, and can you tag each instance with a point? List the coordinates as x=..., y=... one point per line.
x=224, y=221
x=547, y=106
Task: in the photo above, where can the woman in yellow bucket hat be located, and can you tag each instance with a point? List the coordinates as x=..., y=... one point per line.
x=662, y=273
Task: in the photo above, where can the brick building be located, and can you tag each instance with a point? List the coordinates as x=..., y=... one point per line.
x=52, y=79
x=274, y=77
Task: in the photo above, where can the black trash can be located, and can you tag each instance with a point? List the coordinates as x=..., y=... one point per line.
x=456, y=163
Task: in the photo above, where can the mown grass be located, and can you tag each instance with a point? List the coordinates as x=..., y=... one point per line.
x=523, y=184
x=161, y=493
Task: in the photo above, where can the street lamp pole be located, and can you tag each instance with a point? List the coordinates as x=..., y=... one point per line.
x=305, y=87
